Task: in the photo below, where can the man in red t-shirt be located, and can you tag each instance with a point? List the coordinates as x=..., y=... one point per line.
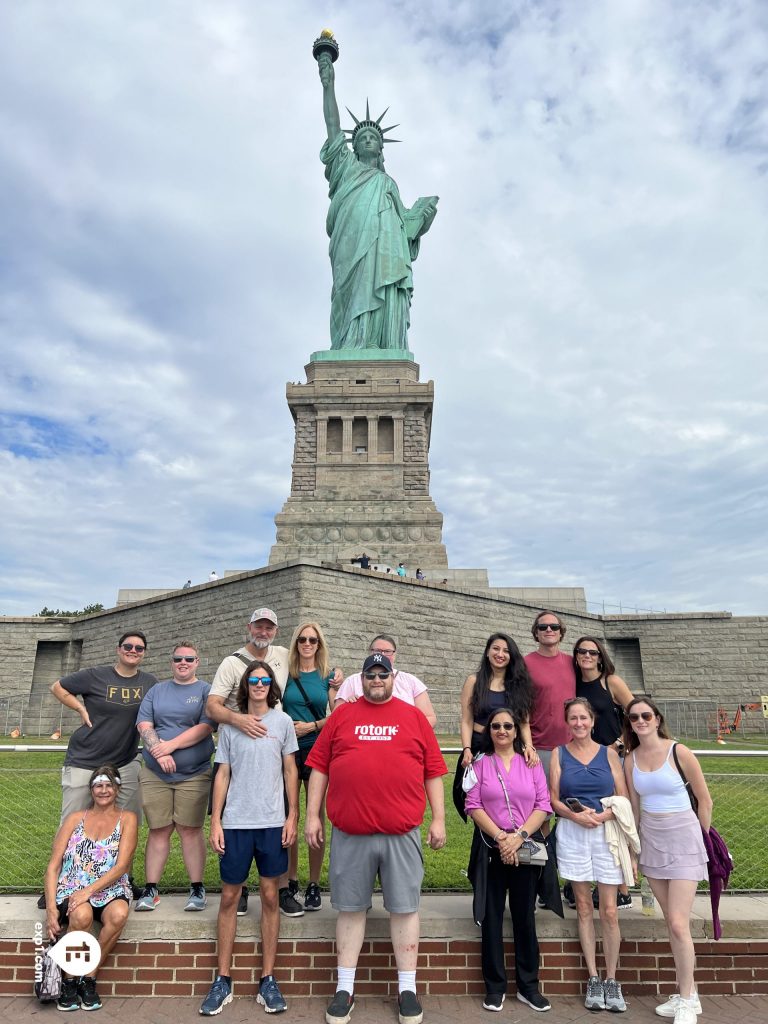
x=376, y=757
x=554, y=682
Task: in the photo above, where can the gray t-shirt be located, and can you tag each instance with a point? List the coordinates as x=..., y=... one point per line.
x=255, y=795
x=172, y=708
x=111, y=701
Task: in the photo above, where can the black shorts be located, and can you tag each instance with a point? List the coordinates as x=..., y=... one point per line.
x=301, y=763
x=63, y=909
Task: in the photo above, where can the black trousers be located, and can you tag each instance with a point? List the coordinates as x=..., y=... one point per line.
x=520, y=883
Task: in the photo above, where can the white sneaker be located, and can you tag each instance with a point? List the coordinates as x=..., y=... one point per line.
x=685, y=1012
x=669, y=1009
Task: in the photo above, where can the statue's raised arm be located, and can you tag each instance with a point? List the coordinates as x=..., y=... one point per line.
x=374, y=237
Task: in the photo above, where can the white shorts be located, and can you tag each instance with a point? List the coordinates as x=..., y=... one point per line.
x=584, y=856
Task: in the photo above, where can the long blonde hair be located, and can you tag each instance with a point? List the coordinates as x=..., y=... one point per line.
x=321, y=651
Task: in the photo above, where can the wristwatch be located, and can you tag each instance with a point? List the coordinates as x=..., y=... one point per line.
x=523, y=834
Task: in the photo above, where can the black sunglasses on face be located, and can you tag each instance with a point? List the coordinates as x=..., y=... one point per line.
x=377, y=675
x=587, y=652
x=548, y=627
x=313, y=640
x=139, y=648
x=189, y=658
x=506, y=726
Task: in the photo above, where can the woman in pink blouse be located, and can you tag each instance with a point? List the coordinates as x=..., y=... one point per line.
x=508, y=804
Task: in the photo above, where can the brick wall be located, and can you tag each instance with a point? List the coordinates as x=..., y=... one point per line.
x=446, y=967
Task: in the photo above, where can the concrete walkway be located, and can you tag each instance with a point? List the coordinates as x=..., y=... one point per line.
x=437, y=1010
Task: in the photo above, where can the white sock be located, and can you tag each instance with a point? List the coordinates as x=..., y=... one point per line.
x=345, y=979
x=406, y=981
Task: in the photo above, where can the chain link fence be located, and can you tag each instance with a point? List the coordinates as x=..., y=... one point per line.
x=30, y=791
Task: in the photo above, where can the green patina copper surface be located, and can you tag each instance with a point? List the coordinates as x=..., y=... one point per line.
x=374, y=237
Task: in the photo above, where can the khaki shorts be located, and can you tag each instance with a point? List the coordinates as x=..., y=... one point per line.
x=174, y=803
x=76, y=796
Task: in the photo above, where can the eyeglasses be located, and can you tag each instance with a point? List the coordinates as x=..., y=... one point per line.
x=635, y=716
x=377, y=675
x=139, y=648
x=506, y=726
x=388, y=652
x=259, y=680
x=587, y=652
x=189, y=658
x=548, y=627
x=313, y=640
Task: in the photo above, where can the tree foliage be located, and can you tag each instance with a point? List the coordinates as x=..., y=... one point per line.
x=57, y=613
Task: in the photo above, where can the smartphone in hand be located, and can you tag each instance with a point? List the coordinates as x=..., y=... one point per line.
x=574, y=804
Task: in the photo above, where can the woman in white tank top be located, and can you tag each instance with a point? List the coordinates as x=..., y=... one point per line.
x=672, y=854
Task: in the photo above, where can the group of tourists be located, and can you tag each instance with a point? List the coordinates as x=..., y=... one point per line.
x=552, y=732
x=542, y=733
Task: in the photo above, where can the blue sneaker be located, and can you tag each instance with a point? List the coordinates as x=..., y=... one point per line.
x=218, y=997
x=270, y=995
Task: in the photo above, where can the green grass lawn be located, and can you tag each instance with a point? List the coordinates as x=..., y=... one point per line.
x=31, y=799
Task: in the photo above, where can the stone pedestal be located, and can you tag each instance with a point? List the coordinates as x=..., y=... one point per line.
x=361, y=465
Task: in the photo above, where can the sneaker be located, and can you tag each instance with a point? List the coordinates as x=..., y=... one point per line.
x=595, y=999
x=540, y=904
x=270, y=996
x=89, y=997
x=289, y=905
x=293, y=886
x=197, y=898
x=623, y=901
x=669, y=1009
x=312, y=899
x=493, y=1001
x=135, y=889
x=148, y=898
x=242, y=903
x=218, y=997
x=535, y=1000
x=409, y=1009
x=340, y=1008
x=685, y=1012
x=68, y=997
x=568, y=896
x=614, y=1000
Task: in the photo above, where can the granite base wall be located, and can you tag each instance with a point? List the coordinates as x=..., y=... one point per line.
x=441, y=632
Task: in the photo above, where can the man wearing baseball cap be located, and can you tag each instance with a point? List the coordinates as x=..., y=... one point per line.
x=222, y=704
x=376, y=757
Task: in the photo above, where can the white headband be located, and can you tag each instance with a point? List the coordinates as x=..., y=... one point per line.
x=105, y=778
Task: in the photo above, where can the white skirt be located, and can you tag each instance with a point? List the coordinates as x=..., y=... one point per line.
x=584, y=856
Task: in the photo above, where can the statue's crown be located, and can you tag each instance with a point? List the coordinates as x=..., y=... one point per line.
x=368, y=122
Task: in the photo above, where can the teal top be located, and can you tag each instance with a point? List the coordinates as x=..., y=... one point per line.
x=294, y=705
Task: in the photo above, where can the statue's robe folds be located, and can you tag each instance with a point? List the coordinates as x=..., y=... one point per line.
x=374, y=238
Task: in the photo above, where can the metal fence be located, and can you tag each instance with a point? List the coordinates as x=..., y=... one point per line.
x=710, y=720
x=31, y=801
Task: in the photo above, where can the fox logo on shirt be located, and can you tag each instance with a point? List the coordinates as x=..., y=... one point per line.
x=376, y=732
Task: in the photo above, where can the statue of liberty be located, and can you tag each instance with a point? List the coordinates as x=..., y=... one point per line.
x=374, y=237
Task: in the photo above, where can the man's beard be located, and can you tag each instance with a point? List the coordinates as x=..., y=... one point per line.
x=260, y=643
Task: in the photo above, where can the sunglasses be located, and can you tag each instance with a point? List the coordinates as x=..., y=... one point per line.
x=178, y=658
x=313, y=640
x=588, y=652
x=139, y=648
x=548, y=627
x=506, y=726
x=377, y=675
x=387, y=653
x=635, y=716
x=260, y=680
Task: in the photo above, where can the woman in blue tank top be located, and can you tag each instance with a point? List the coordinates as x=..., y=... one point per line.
x=581, y=774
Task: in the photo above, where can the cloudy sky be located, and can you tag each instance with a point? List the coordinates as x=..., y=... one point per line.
x=590, y=302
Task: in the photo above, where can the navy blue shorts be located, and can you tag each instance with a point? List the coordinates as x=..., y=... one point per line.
x=244, y=845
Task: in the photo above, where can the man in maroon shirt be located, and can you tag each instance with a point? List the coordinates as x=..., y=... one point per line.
x=379, y=755
x=554, y=682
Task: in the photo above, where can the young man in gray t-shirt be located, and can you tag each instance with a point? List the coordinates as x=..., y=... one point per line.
x=249, y=822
